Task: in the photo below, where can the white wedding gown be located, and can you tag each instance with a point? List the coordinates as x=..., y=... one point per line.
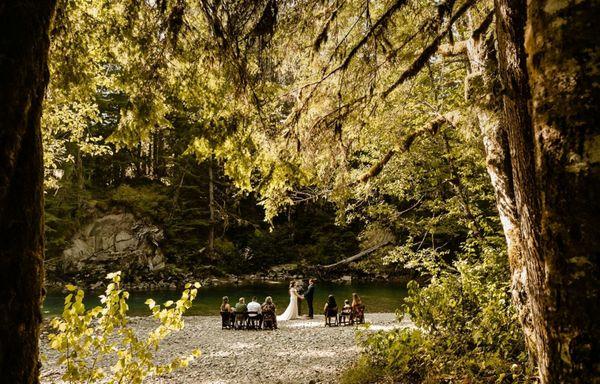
x=291, y=311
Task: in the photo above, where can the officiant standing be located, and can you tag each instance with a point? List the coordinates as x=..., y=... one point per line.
x=308, y=296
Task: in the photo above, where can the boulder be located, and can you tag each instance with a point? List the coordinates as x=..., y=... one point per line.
x=113, y=242
x=346, y=279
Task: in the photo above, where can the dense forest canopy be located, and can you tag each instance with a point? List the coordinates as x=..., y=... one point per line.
x=288, y=129
x=443, y=135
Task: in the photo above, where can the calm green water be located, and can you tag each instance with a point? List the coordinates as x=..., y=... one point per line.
x=378, y=297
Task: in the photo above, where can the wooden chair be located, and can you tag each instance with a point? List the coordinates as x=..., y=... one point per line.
x=331, y=314
x=226, y=322
x=253, y=320
x=269, y=320
x=345, y=317
x=240, y=320
x=358, y=314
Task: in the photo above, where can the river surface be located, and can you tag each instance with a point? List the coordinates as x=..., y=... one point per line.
x=377, y=296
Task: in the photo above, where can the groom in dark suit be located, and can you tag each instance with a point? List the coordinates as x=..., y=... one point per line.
x=309, y=295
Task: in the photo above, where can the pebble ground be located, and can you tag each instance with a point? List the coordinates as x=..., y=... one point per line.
x=300, y=351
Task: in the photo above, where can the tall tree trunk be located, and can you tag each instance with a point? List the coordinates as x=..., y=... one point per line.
x=554, y=157
x=160, y=159
x=211, y=206
x=480, y=89
x=563, y=50
x=24, y=43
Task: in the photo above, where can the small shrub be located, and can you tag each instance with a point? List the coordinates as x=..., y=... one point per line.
x=89, y=341
x=364, y=372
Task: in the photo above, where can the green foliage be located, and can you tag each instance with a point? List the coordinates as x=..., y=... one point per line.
x=97, y=345
x=65, y=211
x=244, y=243
x=364, y=372
x=145, y=200
x=465, y=329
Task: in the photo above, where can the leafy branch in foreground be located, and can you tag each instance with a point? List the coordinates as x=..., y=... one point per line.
x=89, y=341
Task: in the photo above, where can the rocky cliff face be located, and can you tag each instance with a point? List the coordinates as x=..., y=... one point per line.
x=114, y=242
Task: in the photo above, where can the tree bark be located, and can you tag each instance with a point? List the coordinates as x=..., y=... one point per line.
x=24, y=44
x=553, y=138
x=211, y=206
x=480, y=91
x=563, y=50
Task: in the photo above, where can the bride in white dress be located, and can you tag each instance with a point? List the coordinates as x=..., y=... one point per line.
x=291, y=311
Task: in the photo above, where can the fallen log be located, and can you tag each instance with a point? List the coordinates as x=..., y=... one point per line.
x=357, y=256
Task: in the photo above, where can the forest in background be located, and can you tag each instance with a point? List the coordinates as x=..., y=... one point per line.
x=125, y=129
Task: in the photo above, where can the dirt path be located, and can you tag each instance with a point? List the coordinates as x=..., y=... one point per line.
x=300, y=351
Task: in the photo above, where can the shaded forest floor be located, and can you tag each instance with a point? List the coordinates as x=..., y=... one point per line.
x=300, y=351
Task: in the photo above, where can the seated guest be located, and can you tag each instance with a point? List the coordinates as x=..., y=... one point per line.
x=331, y=307
x=331, y=310
x=254, y=306
x=346, y=313
x=227, y=316
x=346, y=306
x=358, y=309
x=240, y=314
x=241, y=306
x=268, y=313
x=225, y=306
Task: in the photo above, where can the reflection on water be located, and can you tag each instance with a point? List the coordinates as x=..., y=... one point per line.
x=378, y=297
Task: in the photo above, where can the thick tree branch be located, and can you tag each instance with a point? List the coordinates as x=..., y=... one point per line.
x=431, y=128
x=379, y=24
x=460, y=47
x=483, y=27
x=429, y=51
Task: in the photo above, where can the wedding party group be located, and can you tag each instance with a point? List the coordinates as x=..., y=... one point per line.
x=253, y=315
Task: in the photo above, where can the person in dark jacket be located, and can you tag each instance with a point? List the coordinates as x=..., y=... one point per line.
x=309, y=296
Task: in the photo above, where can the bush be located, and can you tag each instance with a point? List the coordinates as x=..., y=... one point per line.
x=465, y=330
x=88, y=341
x=364, y=372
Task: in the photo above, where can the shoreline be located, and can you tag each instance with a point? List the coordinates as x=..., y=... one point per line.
x=301, y=351
x=54, y=286
x=168, y=279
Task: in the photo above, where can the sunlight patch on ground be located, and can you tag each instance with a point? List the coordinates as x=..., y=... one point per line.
x=323, y=353
x=239, y=345
x=302, y=324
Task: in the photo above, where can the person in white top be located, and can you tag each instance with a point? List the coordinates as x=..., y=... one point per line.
x=254, y=306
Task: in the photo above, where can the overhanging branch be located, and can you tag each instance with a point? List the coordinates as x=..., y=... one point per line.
x=432, y=128
x=429, y=51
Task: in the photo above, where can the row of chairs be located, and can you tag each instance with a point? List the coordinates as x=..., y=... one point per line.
x=248, y=320
x=345, y=317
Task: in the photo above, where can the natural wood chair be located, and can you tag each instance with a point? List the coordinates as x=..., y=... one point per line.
x=269, y=320
x=358, y=314
x=240, y=320
x=226, y=320
x=253, y=320
x=331, y=314
x=345, y=317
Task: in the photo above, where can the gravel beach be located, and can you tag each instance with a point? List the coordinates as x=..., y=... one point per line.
x=300, y=351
